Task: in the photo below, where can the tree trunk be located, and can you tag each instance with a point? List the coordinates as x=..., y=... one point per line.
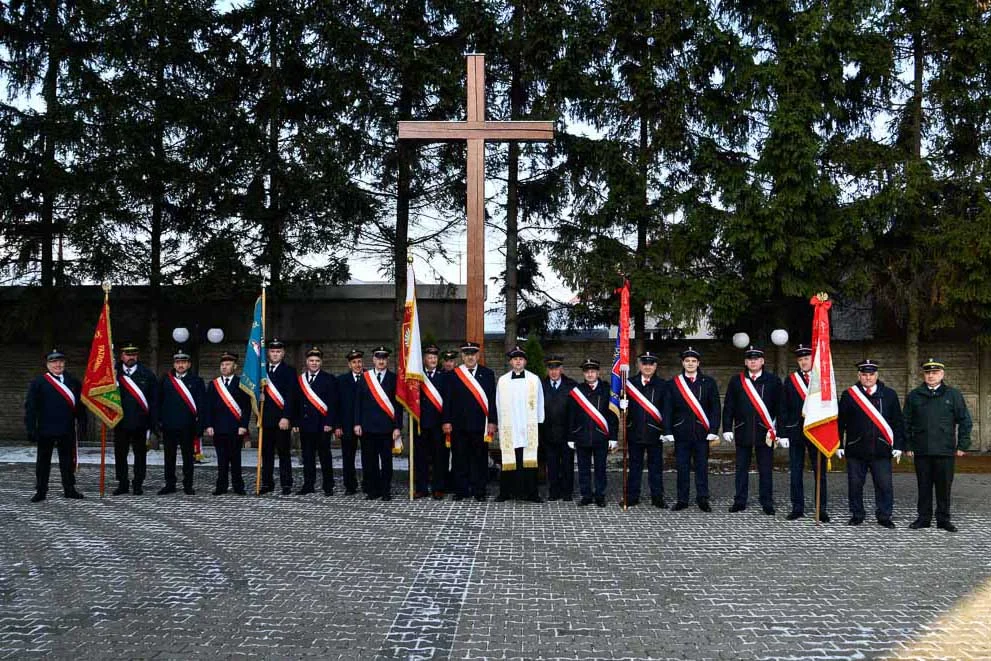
x=512, y=190
x=49, y=174
x=157, y=210
x=639, y=311
x=912, y=345
x=274, y=214
x=914, y=311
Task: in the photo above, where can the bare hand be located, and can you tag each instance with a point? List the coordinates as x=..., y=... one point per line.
x=242, y=431
x=446, y=428
x=296, y=429
x=960, y=453
x=909, y=453
x=326, y=428
x=284, y=424
x=357, y=430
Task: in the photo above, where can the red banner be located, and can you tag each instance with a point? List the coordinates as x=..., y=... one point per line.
x=100, y=393
x=624, y=325
x=409, y=366
x=821, y=406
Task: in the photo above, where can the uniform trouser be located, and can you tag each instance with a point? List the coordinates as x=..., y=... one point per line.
x=429, y=460
x=520, y=482
x=560, y=470
x=313, y=445
x=471, y=463
x=280, y=440
x=884, y=497
x=349, y=450
x=765, y=457
x=130, y=439
x=796, y=459
x=686, y=451
x=228, y=447
x=376, y=463
x=655, y=470
x=930, y=471
x=181, y=440
x=66, y=460
x=585, y=458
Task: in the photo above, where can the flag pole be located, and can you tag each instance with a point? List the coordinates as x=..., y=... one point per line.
x=622, y=430
x=103, y=456
x=818, y=477
x=410, y=457
x=261, y=409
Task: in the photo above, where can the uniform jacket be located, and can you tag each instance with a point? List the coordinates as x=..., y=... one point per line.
x=680, y=420
x=369, y=414
x=582, y=429
x=859, y=436
x=740, y=416
x=792, y=423
x=930, y=418
x=284, y=378
x=173, y=412
x=135, y=417
x=640, y=425
x=347, y=388
x=554, y=429
x=430, y=417
x=461, y=410
x=47, y=413
x=307, y=417
x=217, y=415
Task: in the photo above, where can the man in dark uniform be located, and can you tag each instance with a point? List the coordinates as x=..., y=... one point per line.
x=753, y=400
x=646, y=394
x=470, y=417
x=431, y=456
x=692, y=419
x=181, y=398
x=933, y=411
x=450, y=361
x=53, y=415
x=280, y=403
x=138, y=397
x=347, y=387
x=377, y=422
x=226, y=414
x=872, y=431
x=554, y=431
x=592, y=430
x=792, y=427
x=314, y=418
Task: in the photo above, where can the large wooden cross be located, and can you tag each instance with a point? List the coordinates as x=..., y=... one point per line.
x=476, y=131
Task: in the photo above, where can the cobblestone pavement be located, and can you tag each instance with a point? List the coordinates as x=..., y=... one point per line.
x=338, y=577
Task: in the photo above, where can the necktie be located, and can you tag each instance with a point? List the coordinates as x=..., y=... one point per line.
x=430, y=374
x=555, y=384
x=356, y=378
x=380, y=377
x=691, y=379
x=312, y=376
x=805, y=377
x=472, y=372
x=227, y=381
x=60, y=379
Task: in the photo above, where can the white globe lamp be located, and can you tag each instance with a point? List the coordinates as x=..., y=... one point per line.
x=215, y=335
x=779, y=337
x=180, y=335
x=741, y=340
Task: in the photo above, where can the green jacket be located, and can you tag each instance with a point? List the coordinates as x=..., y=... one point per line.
x=930, y=418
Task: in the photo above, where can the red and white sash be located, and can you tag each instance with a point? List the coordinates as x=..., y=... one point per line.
x=643, y=402
x=871, y=412
x=378, y=393
x=758, y=404
x=591, y=411
x=311, y=395
x=135, y=391
x=474, y=387
x=693, y=402
x=184, y=393
x=63, y=390
x=800, y=386
x=227, y=398
x=273, y=393
x=432, y=394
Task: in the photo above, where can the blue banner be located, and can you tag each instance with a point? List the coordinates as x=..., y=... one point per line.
x=254, y=361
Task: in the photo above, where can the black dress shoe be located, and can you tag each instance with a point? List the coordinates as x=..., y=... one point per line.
x=481, y=498
x=823, y=517
x=501, y=498
x=854, y=521
x=632, y=502
x=534, y=499
x=74, y=495
x=371, y=496
x=304, y=491
x=947, y=526
x=350, y=492
x=240, y=491
x=164, y=491
x=457, y=497
x=705, y=506
x=286, y=491
x=919, y=523
x=792, y=515
x=219, y=492
x=38, y=497
x=438, y=495
x=659, y=502
x=586, y=500
x=567, y=499
x=417, y=495
x=121, y=490
x=768, y=510
x=886, y=523
x=265, y=489
x=600, y=501
x=678, y=506
x=551, y=499
x=189, y=491
x=328, y=492
x=137, y=490
x=387, y=496
x=737, y=507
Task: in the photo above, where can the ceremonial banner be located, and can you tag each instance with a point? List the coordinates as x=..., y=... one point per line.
x=254, y=362
x=621, y=355
x=409, y=368
x=821, y=404
x=100, y=393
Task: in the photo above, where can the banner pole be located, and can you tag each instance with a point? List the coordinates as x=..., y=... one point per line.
x=261, y=410
x=622, y=430
x=818, y=477
x=103, y=456
x=410, y=457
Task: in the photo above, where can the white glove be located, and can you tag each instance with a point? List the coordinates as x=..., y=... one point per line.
x=897, y=454
x=712, y=437
x=840, y=453
x=728, y=436
x=667, y=439
x=624, y=404
x=571, y=444
x=783, y=443
x=613, y=445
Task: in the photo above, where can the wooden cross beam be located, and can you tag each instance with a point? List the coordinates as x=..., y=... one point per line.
x=476, y=131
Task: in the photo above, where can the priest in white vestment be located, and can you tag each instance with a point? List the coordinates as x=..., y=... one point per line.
x=520, y=405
